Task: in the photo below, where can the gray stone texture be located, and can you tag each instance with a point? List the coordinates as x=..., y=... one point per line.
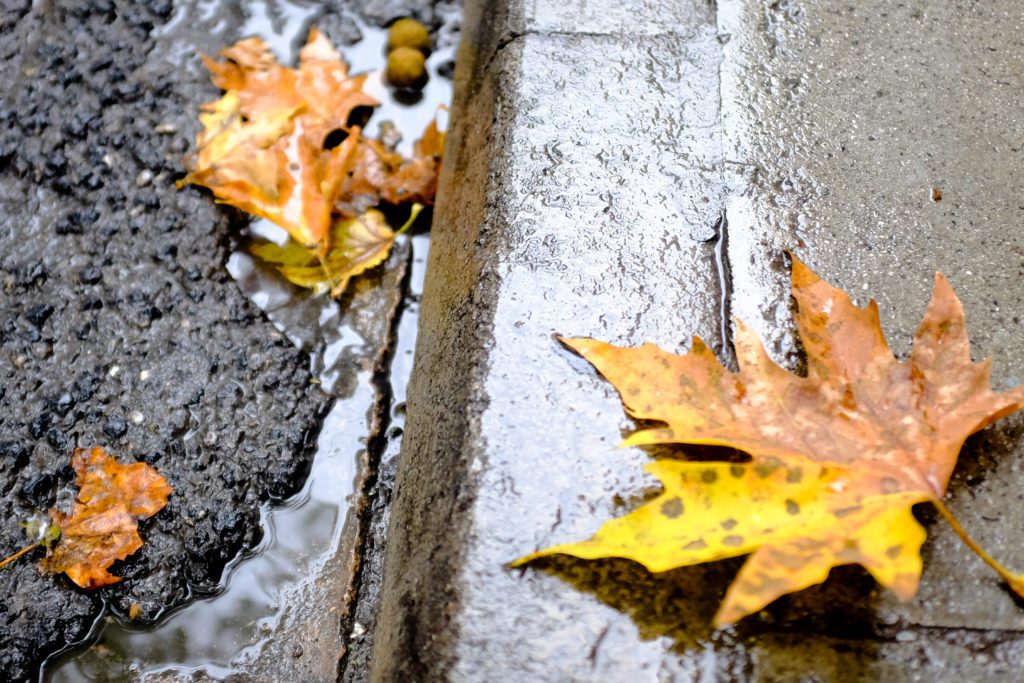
x=594, y=151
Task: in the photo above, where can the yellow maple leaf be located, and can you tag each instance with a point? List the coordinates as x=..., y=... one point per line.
x=356, y=245
x=838, y=458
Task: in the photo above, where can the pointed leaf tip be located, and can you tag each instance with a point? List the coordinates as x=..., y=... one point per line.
x=801, y=273
x=579, y=345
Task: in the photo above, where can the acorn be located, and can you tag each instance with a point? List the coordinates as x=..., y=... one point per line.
x=409, y=33
x=407, y=68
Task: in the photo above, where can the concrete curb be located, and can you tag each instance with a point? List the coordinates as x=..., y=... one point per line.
x=614, y=178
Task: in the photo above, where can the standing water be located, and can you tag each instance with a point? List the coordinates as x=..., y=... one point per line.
x=291, y=588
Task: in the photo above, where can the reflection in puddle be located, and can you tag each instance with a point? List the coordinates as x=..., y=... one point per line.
x=222, y=633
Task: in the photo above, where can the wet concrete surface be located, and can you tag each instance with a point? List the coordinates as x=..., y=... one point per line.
x=123, y=327
x=841, y=121
x=639, y=180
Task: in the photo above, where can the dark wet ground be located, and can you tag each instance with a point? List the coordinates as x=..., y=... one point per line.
x=121, y=325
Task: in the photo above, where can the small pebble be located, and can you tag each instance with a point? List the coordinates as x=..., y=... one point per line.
x=166, y=129
x=114, y=371
x=407, y=68
x=408, y=33
x=144, y=375
x=144, y=178
x=136, y=417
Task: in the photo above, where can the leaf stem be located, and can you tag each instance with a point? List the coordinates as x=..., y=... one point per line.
x=18, y=554
x=1016, y=581
x=413, y=213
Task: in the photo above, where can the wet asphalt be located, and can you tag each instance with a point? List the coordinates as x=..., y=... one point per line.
x=119, y=323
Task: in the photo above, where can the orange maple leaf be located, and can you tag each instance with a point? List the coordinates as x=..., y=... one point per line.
x=103, y=524
x=838, y=458
x=267, y=147
x=264, y=144
x=380, y=174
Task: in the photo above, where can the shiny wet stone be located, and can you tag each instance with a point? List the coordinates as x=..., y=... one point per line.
x=638, y=178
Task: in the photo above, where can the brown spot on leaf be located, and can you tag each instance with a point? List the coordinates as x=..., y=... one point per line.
x=891, y=485
x=893, y=551
x=729, y=524
x=733, y=541
x=792, y=507
x=794, y=475
x=737, y=471
x=789, y=561
x=672, y=508
x=698, y=544
x=844, y=512
x=767, y=467
x=709, y=476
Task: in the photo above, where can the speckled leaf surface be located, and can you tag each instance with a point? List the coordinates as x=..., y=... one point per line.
x=838, y=457
x=102, y=526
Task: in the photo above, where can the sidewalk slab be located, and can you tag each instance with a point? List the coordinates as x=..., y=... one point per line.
x=840, y=124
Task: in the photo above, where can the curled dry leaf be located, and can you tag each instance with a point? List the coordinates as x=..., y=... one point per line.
x=382, y=175
x=103, y=524
x=838, y=458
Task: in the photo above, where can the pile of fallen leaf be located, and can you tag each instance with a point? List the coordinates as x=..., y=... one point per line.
x=282, y=144
x=279, y=144
x=838, y=458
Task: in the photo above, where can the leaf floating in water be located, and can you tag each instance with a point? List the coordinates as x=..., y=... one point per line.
x=357, y=244
x=278, y=145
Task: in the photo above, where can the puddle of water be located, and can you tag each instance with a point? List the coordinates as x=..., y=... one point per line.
x=221, y=632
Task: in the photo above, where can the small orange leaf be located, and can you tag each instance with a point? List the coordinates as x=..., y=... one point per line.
x=382, y=175
x=103, y=524
x=838, y=458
